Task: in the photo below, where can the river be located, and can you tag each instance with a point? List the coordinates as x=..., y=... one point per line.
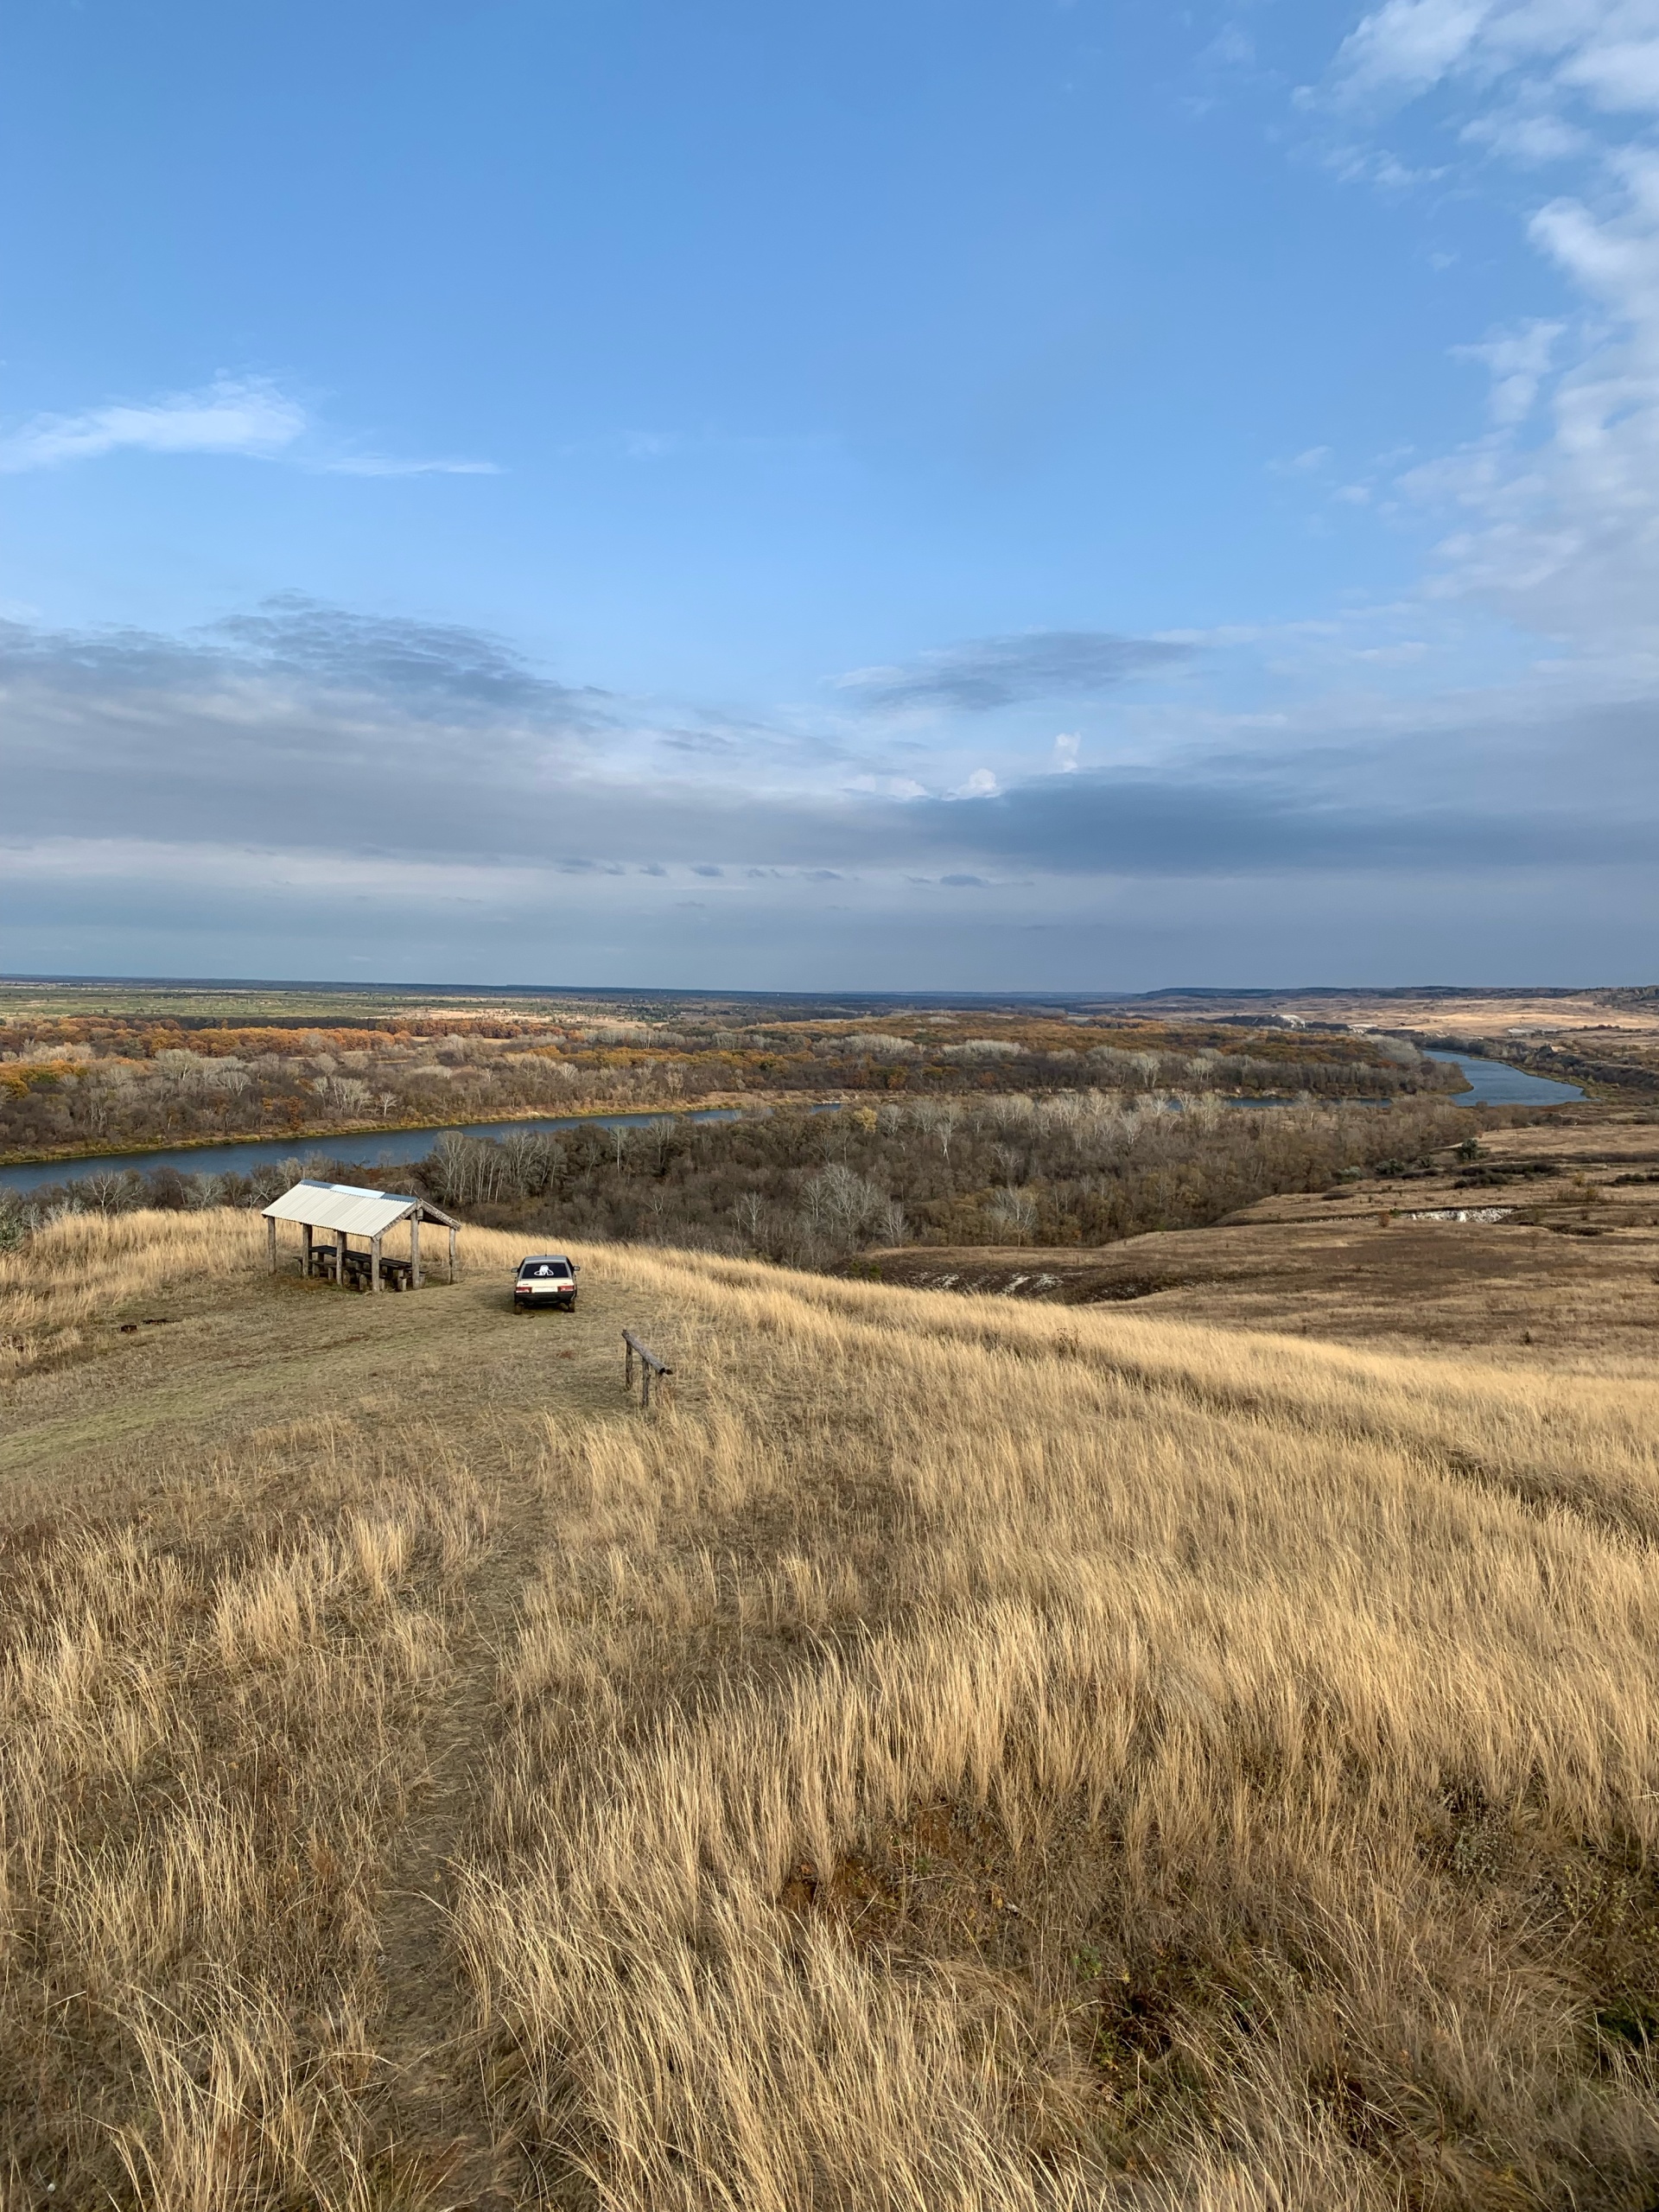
x=1495, y=1083
x=373, y=1149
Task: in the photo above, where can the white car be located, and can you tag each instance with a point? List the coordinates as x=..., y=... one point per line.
x=548, y=1279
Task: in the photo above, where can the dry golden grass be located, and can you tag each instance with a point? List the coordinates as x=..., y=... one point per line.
x=87, y=1265
x=958, y=1754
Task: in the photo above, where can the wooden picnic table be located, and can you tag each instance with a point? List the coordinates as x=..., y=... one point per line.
x=358, y=1268
x=396, y=1275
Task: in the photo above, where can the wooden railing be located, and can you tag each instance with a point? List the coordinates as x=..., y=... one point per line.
x=650, y=1367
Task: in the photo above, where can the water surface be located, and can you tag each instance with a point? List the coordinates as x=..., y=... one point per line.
x=1495, y=1083
x=374, y=1149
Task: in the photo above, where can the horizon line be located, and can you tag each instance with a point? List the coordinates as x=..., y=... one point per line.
x=717, y=991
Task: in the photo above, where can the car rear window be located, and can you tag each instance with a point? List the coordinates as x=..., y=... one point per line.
x=538, y=1268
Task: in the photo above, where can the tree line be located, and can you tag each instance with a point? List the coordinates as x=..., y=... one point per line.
x=808, y=1189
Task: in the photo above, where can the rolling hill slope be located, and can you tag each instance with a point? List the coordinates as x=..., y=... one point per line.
x=956, y=1754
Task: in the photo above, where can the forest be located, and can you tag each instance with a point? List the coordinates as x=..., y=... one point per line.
x=811, y=1189
x=83, y=1084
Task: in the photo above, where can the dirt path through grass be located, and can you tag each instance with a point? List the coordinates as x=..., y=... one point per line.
x=432, y=2090
x=464, y=1386
x=537, y=1365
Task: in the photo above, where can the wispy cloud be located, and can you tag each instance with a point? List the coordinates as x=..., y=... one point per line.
x=1553, y=511
x=1607, y=51
x=1518, y=361
x=425, y=669
x=247, y=418
x=986, y=673
x=1407, y=46
x=371, y=464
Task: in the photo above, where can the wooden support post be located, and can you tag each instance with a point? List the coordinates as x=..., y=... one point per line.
x=374, y=1263
x=415, y=1251
x=451, y=1256
x=652, y=1370
x=271, y=1244
x=340, y=1259
x=305, y=1263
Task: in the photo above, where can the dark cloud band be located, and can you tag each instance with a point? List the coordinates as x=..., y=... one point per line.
x=304, y=729
x=990, y=673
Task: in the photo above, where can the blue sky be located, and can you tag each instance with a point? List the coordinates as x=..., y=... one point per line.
x=996, y=496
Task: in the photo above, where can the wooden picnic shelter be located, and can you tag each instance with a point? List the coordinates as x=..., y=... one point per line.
x=342, y=1212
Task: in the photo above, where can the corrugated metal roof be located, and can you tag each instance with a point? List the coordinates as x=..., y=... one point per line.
x=353, y=1212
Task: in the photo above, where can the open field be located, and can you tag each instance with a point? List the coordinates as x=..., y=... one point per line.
x=1491, y=1014
x=961, y=1753
x=1606, y=1038
x=1568, y=1276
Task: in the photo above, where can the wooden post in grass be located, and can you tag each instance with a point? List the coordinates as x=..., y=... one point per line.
x=270, y=1245
x=451, y=1256
x=374, y=1264
x=649, y=1366
x=340, y=1259
x=305, y=1264
x=414, y=1249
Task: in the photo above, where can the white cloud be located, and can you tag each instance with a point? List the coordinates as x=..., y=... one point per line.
x=1554, y=510
x=1518, y=361
x=1566, y=529
x=1231, y=48
x=1065, y=753
x=248, y=418
x=1621, y=74
x=981, y=784
x=888, y=786
x=1608, y=50
x=1526, y=138
x=1409, y=44
x=380, y=465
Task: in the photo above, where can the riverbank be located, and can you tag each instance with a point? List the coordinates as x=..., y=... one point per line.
x=25, y=1168
x=371, y=1148
x=298, y=1141
x=382, y=1148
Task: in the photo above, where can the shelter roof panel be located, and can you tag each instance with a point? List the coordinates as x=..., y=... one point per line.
x=348, y=1210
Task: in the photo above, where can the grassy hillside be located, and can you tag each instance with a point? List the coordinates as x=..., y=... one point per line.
x=957, y=1755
